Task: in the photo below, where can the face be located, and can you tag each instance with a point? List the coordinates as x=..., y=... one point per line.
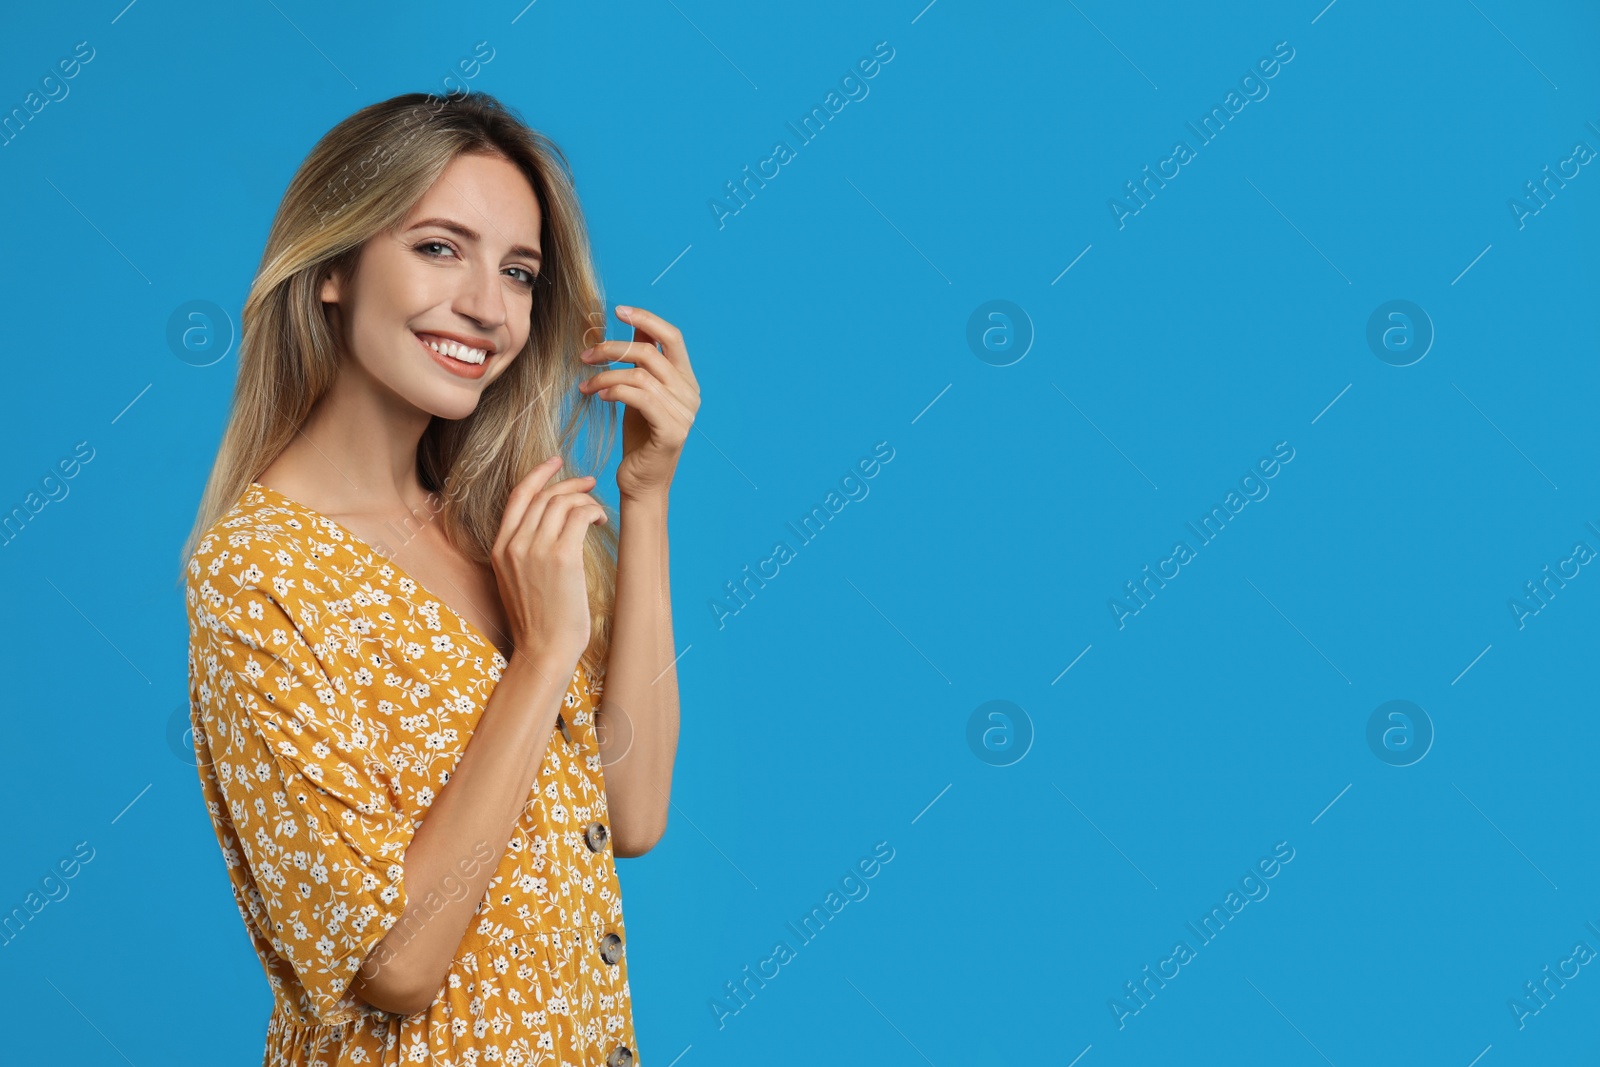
x=457, y=271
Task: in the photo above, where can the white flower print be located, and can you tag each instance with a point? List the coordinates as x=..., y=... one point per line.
x=312, y=670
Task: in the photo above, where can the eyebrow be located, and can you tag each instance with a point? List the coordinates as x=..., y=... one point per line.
x=469, y=234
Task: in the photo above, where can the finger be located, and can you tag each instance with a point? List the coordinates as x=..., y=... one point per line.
x=618, y=376
x=642, y=353
x=659, y=329
x=682, y=397
x=528, y=520
x=570, y=544
x=577, y=523
x=521, y=496
x=529, y=513
x=657, y=404
x=658, y=409
x=656, y=328
x=555, y=515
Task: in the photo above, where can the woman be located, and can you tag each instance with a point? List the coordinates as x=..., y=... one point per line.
x=400, y=616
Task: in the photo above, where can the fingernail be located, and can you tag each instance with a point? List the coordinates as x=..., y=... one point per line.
x=624, y=312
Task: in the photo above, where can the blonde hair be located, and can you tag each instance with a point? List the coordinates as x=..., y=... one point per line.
x=359, y=181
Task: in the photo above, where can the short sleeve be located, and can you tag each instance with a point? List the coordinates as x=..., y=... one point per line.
x=312, y=803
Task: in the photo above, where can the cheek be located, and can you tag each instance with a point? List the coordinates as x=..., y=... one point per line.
x=386, y=309
x=379, y=340
x=504, y=367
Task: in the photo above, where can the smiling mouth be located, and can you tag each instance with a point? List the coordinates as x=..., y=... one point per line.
x=454, y=349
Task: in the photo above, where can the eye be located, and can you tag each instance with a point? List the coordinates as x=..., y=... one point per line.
x=527, y=279
x=431, y=244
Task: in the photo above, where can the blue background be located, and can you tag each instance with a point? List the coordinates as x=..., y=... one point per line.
x=831, y=313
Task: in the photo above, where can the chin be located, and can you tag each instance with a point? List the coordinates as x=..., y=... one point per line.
x=428, y=388
x=452, y=407
x=441, y=399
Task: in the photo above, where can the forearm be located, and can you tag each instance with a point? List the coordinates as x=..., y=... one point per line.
x=639, y=706
x=464, y=834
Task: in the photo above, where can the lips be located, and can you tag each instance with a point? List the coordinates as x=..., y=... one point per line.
x=459, y=367
x=464, y=349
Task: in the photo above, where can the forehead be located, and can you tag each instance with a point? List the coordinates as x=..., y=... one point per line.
x=488, y=197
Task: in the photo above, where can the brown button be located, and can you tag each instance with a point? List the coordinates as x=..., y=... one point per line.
x=611, y=949
x=561, y=724
x=621, y=1056
x=595, y=834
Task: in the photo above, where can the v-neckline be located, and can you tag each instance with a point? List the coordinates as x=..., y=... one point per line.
x=400, y=572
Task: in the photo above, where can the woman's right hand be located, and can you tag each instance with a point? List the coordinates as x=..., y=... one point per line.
x=538, y=563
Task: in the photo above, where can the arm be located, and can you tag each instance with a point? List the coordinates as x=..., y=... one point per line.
x=473, y=815
x=638, y=707
x=641, y=677
x=538, y=564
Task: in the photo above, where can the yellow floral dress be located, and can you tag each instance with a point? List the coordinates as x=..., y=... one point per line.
x=331, y=696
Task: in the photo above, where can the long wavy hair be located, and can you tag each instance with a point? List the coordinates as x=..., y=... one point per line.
x=359, y=181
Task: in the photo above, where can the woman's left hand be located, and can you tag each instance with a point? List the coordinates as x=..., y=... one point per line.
x=660, y=394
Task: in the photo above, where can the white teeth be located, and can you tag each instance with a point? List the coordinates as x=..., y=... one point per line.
x=457, y=351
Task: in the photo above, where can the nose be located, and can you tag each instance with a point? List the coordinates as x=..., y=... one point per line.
x=480, y=298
